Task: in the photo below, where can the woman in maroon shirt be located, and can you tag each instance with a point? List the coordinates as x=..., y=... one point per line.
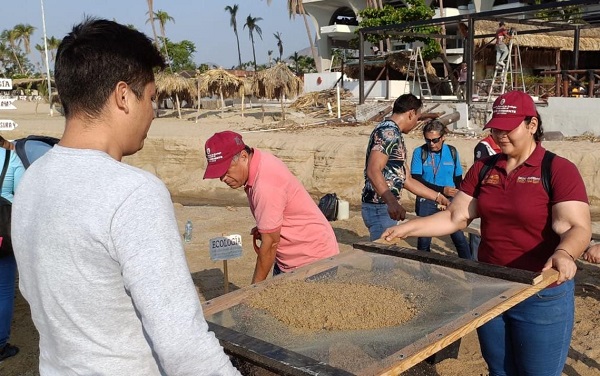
x=523, y=226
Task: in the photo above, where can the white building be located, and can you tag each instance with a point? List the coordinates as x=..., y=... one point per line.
x=336, y=21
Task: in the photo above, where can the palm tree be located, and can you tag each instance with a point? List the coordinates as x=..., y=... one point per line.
x=297, y=7
x=24, y=33
x=233, y=22
x=163, y=17
x=53, y=44
x=150, y=14
x=279, y=44
x=269, y=53
x=296, y=59
x=252, y=27
x=11, y=36
x=42, y=51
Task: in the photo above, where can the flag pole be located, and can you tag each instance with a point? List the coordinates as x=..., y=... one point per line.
x=47, y=62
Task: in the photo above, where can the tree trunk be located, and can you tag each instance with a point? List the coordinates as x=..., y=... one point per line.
x=310, y=39
x=239, y=52
x=18, y=62
x=151, y=15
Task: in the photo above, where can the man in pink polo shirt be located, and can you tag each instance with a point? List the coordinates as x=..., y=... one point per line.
x=292, y=229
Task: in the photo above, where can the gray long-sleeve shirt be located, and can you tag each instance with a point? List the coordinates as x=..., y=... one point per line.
x=101, y=264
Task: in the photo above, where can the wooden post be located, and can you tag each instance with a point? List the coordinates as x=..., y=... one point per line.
x=557, y=82
x=225, y=277
x=565, y=85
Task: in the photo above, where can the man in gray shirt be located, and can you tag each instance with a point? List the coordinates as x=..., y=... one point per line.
x=99, y=253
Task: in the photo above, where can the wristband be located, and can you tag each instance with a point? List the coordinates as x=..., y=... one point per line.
x=562, y=249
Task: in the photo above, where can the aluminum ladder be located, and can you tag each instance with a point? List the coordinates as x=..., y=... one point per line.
x=416, y=66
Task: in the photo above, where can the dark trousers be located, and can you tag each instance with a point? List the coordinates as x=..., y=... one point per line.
x=425, y=208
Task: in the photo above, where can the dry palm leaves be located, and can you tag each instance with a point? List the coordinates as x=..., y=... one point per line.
x=276, y=82
x=315, y=103
x=220, y=82
x=172, y=83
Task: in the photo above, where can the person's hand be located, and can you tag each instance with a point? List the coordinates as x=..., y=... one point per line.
x=396, y=211
x=394, y=232
x=442, y=200
x=592, y=254
x=563, y=263
x=255, y=238
x=450, y=191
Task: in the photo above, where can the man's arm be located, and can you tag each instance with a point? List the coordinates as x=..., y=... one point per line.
x=266, y=255
x=375, y=164
x=419, y=189
x=147, y=244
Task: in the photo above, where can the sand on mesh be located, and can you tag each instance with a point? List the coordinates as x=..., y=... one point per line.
x=314, y=306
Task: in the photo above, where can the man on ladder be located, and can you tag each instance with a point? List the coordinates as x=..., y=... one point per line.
x=509, y=70
x=502, y=36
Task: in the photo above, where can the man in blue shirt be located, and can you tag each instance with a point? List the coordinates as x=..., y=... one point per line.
x=437, y=166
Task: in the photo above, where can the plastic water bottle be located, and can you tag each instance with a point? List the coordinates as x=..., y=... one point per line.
x=187, y=235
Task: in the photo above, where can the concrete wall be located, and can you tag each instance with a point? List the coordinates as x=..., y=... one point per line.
x=571, y=116
x=326, y=81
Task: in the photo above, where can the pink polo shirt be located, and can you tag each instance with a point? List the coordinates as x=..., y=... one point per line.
x=279, y=202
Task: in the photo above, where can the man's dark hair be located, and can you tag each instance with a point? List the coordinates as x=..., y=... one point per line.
x=405, y=103
x=94, y=57
x=501, y=23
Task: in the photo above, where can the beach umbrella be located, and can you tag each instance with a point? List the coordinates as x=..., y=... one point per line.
x=219, y=81
x=174, y=84
x=277, y=82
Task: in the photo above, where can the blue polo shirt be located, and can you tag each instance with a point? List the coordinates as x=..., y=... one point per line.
x=438, y=168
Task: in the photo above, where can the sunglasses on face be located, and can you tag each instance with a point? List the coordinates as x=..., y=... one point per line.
x=432, y=140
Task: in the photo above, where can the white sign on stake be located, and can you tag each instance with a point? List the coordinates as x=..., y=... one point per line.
x=225, y=247
x=7, y=125
x=6, y=104
x=6, y=84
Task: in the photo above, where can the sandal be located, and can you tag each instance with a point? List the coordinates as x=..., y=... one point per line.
x=7, y=351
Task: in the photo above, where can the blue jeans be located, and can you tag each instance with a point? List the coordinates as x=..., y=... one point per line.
x=501, y=54
x=533, y=337
x=474, y=241
x=8, y=272
x=376, y=219
x=424, y=208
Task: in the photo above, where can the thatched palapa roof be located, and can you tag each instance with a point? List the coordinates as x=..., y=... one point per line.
x=172, y=83
x=274, y=82
x=589, y=38
x=219, y=81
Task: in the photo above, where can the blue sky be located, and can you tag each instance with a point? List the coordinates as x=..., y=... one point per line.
x=204, y=22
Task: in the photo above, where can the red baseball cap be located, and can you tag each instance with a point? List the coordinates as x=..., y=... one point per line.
x=220, y=150
x=510, y=109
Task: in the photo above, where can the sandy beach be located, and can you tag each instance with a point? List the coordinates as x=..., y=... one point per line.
x=326, y=158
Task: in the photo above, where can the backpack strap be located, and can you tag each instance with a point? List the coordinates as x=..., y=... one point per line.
x=454, y=154
x=547, y=172
x=5, y=167
x=423, y=153
x=488, y=163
